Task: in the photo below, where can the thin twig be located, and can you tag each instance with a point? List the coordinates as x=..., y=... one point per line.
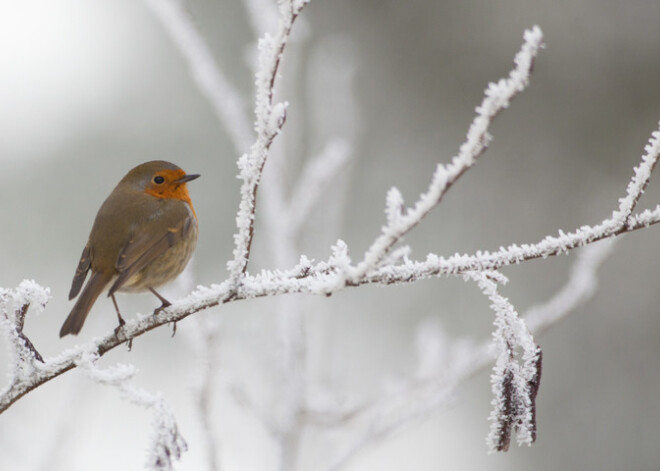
x=269, y=121
x=497, y=98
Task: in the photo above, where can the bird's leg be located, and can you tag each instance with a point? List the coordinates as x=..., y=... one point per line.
x=119, y=318
x=165, y=302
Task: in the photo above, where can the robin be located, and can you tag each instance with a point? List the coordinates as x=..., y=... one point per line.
x=143, y=236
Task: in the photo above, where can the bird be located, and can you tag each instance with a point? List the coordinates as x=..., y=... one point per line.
x=143, y=236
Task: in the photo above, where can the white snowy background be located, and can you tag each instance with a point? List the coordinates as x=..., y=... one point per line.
x=89, y=89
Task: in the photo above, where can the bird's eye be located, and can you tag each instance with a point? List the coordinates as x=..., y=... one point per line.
x=158, y=179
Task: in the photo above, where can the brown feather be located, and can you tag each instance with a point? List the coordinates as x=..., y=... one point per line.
x=97, y=282
x=143, y=249
x=81, y=272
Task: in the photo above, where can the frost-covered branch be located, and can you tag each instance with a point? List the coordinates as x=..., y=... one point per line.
x=517, y=373
x=498, y=96
x=14, y=305
x=269, y=120
x=26, y=360
x=621, y=221
x=306, y=277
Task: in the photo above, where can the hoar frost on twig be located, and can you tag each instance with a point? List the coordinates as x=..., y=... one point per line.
x=270, y=118
x=621, y=221
x=26, y=362
x=516, y=376
x=498, y=96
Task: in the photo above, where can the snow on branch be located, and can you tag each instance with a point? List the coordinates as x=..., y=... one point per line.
x=497, y=97
x=26, y=360
x=167, y=444
x=269, y=120
x=621, y=221
x=517, y=373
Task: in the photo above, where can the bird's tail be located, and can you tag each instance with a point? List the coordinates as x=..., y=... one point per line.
x=76, y=319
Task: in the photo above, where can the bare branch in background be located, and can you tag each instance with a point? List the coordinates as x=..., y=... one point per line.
x=225, y=100
x=314, y=182
x=206, y=344
x=167, y=444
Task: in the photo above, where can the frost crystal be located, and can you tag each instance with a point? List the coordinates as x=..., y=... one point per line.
x=516, y=376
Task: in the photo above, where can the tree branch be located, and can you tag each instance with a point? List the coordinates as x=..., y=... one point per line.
x=269, y=121
x=498, y=96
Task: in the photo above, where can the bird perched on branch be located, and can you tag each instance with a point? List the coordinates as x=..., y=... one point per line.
x=143, y=236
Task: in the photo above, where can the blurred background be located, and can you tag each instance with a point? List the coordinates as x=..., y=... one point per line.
x=90, y=88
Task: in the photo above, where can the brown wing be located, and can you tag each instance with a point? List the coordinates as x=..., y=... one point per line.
x=81, y=272
x=143, y=248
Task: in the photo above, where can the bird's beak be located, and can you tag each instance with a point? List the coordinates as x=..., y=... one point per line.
x=187, y=178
